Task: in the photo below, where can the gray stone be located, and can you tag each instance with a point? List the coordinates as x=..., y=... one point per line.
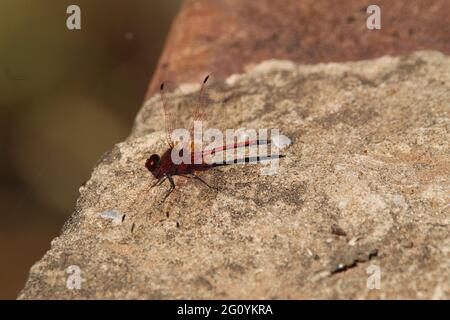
x=369, y=153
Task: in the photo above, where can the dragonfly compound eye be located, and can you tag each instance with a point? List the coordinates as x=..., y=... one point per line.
x=153, y=162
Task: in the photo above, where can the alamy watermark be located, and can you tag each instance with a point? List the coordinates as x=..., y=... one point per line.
x=374, y=20
x=73, y=21
x=189, y=148
x=74, y=278
x=374, y=278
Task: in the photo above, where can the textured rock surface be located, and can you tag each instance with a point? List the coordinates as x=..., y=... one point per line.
x=365, y=182
x=227, y=35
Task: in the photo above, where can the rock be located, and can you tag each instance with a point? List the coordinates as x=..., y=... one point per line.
x=227, y=36
x=336, y=230
x=369, y=153
x=113, y=215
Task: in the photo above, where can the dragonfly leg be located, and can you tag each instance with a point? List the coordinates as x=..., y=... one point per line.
x=172, y=187
x=159, y=182
x=203, y=181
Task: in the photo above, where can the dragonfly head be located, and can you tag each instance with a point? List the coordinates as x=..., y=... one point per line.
x=153, y=163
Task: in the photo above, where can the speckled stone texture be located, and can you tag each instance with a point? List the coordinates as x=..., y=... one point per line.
x=364, y=184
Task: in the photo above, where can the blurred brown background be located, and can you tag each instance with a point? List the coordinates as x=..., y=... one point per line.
x=65, y=98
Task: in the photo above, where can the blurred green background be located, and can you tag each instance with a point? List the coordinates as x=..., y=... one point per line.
x=65, y=98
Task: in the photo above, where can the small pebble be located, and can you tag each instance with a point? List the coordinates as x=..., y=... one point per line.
x=407, y=244
x=335, y=229
x=312, y=254
x=353, y=241
x=114, y=215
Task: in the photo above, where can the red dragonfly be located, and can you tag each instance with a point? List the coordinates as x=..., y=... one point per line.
x=163, y=167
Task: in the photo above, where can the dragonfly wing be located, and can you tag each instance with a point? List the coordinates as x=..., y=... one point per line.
x=175, y=111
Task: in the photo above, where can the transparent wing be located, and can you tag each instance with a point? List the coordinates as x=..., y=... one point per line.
x=190, y=104
x=175, y=112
